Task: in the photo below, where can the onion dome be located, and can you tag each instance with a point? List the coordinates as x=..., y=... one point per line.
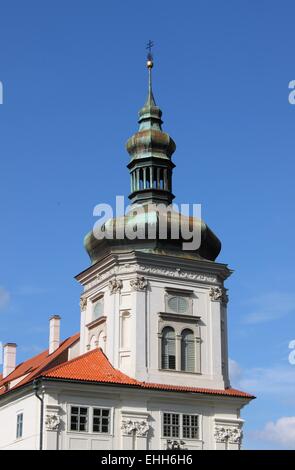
x=150, y=168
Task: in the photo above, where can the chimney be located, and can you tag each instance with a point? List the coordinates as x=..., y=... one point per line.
x=54, y=333
x=9, y=358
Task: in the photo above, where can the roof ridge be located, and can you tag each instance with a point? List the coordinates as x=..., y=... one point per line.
x=30, y=375
x=77, y=358
x=54, y=355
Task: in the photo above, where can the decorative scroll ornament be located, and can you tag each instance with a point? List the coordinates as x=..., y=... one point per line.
x=231, y=434
x=83, y=303
x=139, y=283
x=171, y=445
x=115, y=285
x=218, y=294
x=236, y=436
x=157, y=271
x=141, y=428
x=52, y=422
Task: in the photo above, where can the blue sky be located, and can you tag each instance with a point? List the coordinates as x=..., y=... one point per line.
x=74, y=78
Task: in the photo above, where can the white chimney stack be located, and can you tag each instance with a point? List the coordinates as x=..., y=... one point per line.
x=54, y=333
x=9, y=358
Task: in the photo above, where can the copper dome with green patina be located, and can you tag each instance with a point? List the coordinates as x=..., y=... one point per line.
x=150, y=167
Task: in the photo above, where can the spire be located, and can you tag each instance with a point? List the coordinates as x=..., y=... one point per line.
x=150, y=150
x=150, y=114
x=150, y=63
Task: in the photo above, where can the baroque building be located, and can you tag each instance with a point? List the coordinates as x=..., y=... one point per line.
x=149, y=367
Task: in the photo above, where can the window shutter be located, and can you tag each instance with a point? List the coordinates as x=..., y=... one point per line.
x=98, y=309
x=168, y=348
x=187, y=351
x=178, y=304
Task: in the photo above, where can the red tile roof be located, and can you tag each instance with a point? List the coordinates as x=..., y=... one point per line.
x=92, y=366
x=34, y=366
x=95, y=367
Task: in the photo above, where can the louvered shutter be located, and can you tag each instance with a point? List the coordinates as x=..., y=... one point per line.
x=98, y=309
x=187, y=351
x=168, y=348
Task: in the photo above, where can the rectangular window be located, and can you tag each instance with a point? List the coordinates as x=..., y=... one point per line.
x=19, y=425
x=79, y=418
x=190, y=426
x=188, y=430
x=171, y=425
x=101, y=420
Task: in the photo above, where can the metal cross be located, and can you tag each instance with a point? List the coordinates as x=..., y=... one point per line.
x=149, y=46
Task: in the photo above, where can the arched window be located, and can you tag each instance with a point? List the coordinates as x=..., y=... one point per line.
x=168, y=348
x=187, y=351
x=92, y=342
x=98, y=308
x=101, y=340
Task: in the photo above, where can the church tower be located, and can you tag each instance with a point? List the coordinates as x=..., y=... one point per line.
x=149, y=368
x=156, y=310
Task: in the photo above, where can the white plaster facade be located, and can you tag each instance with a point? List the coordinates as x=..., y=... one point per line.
x=127, y=407
x=135, y=287
x=126, y=310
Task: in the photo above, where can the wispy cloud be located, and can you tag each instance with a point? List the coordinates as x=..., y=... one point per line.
x=277, y=381
x=235, y=371
x=270, y=306
x=4, y=298
x=280, y=432
x=32, y=349
x=31, y=290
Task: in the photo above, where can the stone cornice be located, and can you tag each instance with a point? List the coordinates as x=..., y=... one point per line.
x=114, y=263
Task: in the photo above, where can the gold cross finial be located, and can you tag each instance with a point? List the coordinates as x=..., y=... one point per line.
x=150, y=61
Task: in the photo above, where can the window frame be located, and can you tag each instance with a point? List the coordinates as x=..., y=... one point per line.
x=181, y=414
x=184, y=353
x=179, y=325
x=179, y=293
x=90, y=415
x=102, y=408
x=175, y=355
x=95, y=302
x=70, y=418
x=19, y=425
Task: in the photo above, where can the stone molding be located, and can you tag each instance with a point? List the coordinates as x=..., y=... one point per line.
x=140, y=427
x=232, y=434
x=83, y=303
x=176, y=273
x=218, y=294
x=115, y=285
x=52, y=421
x=139, y=283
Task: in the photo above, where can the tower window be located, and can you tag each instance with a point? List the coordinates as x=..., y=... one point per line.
x=178, y=304
x=168, y=348
x=161, y=178
x=98, y=308
x=187, y=351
